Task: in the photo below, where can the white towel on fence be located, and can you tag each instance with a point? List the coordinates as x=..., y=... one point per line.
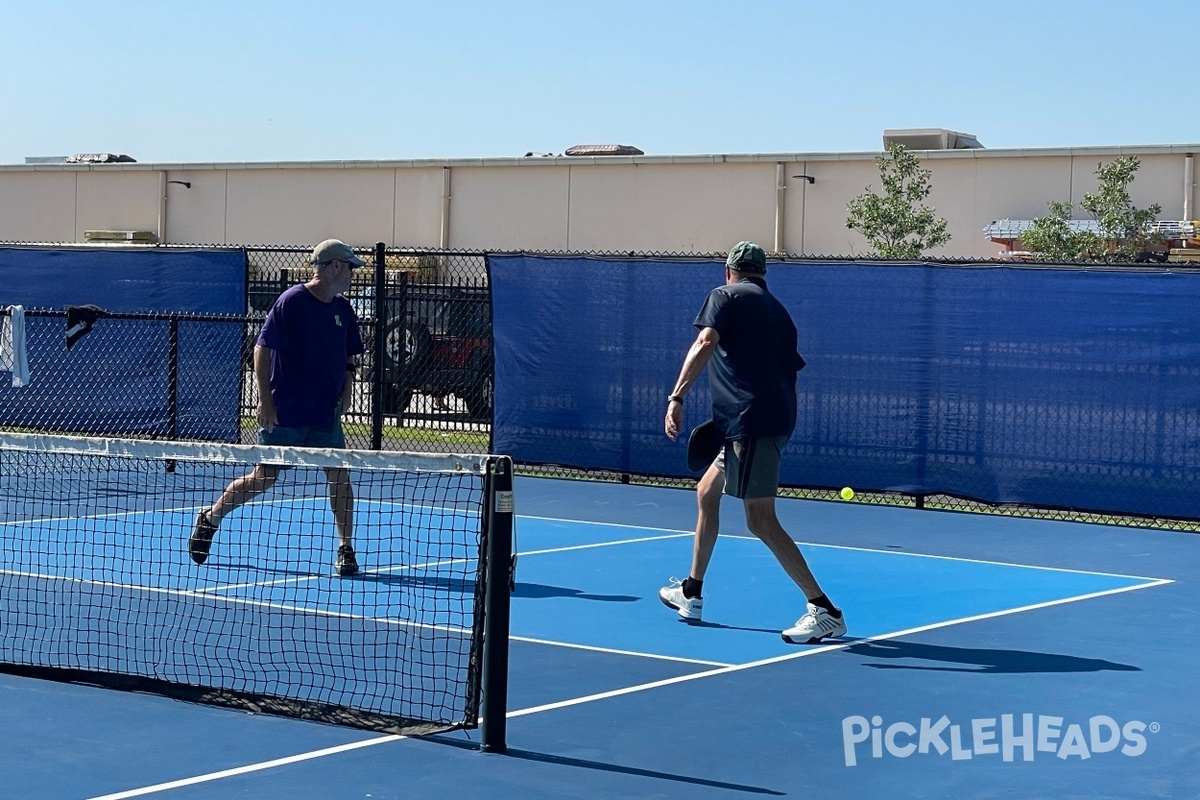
x=13, y=354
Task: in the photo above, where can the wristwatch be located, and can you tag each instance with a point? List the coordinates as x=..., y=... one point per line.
x=674, y=398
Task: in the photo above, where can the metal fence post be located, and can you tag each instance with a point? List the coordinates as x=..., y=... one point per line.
x=377, y=349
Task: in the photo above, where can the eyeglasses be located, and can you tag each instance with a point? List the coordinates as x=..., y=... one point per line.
x=343, y=262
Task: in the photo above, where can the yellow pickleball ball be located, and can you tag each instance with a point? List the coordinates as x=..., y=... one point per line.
x=847, y=493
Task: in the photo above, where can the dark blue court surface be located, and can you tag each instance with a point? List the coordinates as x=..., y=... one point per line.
x=986, y=657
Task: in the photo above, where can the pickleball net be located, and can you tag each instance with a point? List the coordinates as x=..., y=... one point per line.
x=96, y=582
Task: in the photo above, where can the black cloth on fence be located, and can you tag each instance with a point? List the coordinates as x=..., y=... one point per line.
x=80, y=320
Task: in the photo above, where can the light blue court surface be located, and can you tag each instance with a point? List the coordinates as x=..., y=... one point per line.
x=265, y=615
x=611, y=569
x=272, y=549
x=268, y=555
x=966, y=616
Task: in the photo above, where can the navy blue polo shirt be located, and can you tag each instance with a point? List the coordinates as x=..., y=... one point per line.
x=310, y=343
x=752, y=374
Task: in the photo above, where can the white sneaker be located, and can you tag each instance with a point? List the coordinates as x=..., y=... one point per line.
x=815, y=625
x=690, y=608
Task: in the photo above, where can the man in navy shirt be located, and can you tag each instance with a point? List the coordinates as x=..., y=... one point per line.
x=748, y=340
x=303, y=365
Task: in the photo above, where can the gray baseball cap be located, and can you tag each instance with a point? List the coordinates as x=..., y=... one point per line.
x=747, y=257
x=334, y=250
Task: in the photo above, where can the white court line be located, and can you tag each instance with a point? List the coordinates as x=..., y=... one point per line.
x=748, y=537
x=965, y=560
x=594, y=545
x=265, y=502
x=229, y=773
x=466, y=512
x=601, y=524
x=317, y=576
x=141, y=511
x=614, y=651
x=162, y=787
x=827, y=648
x=720, y=669
x=319, y=612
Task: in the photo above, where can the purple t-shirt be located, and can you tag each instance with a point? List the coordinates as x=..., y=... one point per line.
x=310, y=343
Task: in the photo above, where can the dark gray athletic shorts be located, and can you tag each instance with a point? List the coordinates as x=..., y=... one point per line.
x=751, y=467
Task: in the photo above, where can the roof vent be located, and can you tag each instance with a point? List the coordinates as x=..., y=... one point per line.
x=99, y=158
x=931, y=139
x=603, y=150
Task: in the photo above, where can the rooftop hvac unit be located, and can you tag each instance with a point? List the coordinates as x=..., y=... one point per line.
x=931, y=139
x=603, y=150
x=100, y=158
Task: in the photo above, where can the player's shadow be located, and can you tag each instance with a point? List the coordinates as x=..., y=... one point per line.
x=276, y=572
x=541, y=591
x=719, y=626
x=440, y=583
x=981, y=660
x=582, y=763
x=424, y=581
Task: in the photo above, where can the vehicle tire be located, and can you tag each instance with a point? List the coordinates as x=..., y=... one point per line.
x=407, y=357
x=479, y=397
x=396, y=399
x=419, y=345
x=406, y=346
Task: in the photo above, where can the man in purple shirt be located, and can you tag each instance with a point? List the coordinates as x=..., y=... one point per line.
x=304, y=368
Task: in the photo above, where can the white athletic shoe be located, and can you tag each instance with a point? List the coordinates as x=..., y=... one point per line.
x=690, y=608
x=815, y=625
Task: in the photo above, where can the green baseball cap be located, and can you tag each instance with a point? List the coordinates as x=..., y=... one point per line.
x=334, y=250
x=747, y=257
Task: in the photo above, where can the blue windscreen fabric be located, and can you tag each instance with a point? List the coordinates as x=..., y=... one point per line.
x=1049, y=386
x=117, y=379
x=201, y=281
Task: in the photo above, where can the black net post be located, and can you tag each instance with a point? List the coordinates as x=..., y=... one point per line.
x=378, y=345
x=500, y=563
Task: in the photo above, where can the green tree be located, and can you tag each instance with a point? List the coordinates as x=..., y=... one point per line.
x=1121, y=223
x=1052, y=238
x=1124, y=228
x=895, y=223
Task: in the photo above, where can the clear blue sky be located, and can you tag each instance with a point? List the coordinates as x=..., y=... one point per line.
x=283, y=80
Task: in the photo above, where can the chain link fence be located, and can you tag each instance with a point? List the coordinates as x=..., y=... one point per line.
x=158, y=376
x=425, y=382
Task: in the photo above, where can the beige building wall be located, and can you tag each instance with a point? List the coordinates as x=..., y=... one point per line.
x=308, y=205
x=38, y=206
x=116, y=202
x=509, y=208
x=1020, y=187
x=195, y=214
x=418, y=203
x=681, y=204
x=671, y=208
x=835, y=183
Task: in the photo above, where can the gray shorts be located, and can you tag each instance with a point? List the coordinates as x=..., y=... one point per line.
x=327, y=438
x=751, y=467
x=279, y=436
